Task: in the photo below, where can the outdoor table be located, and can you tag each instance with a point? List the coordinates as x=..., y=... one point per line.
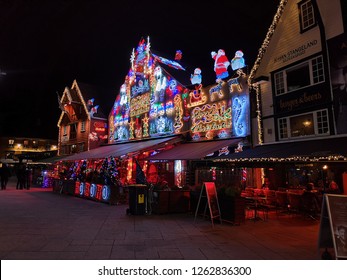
x=257, y=200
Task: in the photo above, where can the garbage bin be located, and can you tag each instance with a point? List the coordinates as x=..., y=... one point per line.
x=138, y=199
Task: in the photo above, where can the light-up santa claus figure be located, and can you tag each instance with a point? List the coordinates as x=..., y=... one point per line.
x=221, y=64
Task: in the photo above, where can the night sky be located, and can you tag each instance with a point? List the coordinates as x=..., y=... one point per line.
x=45, y=45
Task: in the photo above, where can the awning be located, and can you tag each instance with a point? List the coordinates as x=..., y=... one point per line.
x=194, y=150
x=332, y=149
x=121, y=149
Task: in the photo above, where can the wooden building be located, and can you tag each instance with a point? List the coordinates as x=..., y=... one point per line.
x=82, y=123
x=299, y=85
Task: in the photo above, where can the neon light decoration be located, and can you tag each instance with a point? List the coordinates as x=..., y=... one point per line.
x=145, y=106
x=240, y=105
x=211, y=117
x=221, y=64
x=236, y=82
x=196, y=78
x=238, y=61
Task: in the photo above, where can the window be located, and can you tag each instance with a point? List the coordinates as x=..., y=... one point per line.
x=283, y=128
x=73, y=133
x=10, y=143
x=322, y=122
x=80, y=147
x=305, y=74
x=25, y=143
x=65, y=130
x=83, y=126
x=314, y=123
x=307, y=18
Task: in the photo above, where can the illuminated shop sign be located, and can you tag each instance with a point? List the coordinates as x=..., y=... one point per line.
x=97, y=192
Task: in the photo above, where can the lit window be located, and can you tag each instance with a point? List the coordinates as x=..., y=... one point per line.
x=305, y=125
x=305, y=74
x=10, y=143
x=307, y=18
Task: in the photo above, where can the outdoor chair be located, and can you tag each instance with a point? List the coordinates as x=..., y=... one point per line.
x=295, y=202
x=281, y=202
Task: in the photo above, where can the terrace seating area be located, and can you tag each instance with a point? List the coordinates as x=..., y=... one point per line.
x=294, y=202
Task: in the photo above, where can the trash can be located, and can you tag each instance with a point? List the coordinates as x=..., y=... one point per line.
x=138, y=199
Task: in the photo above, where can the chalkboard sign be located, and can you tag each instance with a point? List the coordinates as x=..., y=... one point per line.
x=333, y=224
x=209, y=188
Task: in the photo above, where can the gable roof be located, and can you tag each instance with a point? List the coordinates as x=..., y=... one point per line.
x=267, y=39
x=79, y=94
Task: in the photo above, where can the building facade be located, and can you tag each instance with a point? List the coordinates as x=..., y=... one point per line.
x=299, y=83
x=82, y=124
x=14, y=149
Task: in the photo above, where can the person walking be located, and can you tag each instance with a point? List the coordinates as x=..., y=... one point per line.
x=5, y=174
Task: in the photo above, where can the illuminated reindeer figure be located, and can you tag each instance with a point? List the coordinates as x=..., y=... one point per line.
x=235, y=82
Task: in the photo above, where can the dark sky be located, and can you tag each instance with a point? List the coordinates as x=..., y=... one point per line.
x=45, y=45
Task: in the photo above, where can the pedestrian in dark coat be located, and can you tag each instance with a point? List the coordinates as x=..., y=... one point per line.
x=5, y=174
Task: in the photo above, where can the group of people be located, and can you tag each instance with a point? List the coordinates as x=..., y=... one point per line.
x=5, y=174
x=24, y=176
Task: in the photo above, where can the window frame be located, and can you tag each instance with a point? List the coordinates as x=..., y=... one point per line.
x=317, y=125
x=316, y=73
x=306, y=9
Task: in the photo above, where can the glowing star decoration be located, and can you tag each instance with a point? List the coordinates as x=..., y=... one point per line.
x=238, y=61
x=196, y=78
x=221, y=64
x=178, y=55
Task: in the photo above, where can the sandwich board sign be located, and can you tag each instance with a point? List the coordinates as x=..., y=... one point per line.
x=333, y=224
x=209, y=189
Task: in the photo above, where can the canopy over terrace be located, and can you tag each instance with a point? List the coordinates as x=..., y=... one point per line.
x=122, y=149
x=317, y=150
x=194, y=150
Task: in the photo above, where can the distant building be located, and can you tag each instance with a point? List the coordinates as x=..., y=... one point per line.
x=82, y=123
x=14, y=149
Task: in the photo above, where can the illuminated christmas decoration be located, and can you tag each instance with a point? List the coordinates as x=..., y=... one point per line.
x=196, y=78
x=266, y=41
x=238, y=61
x=197, y=97
x=239, y=109
x=170, y=63
x=239, y=147
x=221, y=64
x=211, y=117
x=179, y=172
x=139, y=105
x=145, y=126
x=235, y=82
x=178, y=55
x=213, y=173
x=145, y=105
x=179, y=112
x=223, y=151
x=216, y=91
